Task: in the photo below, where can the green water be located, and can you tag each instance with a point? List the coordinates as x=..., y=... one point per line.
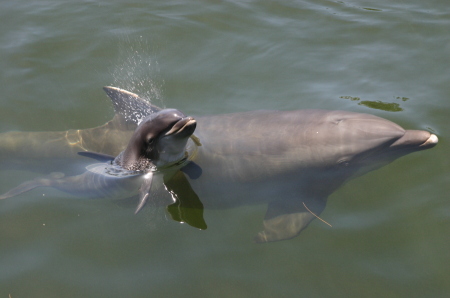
x=390, y=234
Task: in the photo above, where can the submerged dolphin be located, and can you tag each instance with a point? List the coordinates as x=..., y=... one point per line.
x=156, y=149
x=30, y=150
x=293, y=160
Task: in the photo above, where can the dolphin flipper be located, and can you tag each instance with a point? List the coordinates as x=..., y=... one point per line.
x=193, y=170
x=187, y=207
x=286, y=219
x=97, y=156
x=31, y=184
x=144, y=191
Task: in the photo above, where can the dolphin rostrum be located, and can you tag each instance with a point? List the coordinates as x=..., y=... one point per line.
x=292, y=160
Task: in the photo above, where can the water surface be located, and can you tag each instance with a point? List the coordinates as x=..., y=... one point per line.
x=390, y=228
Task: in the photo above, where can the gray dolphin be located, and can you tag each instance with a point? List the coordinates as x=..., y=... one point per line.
x=292, y=160
x=156, y=148
x=30, y=150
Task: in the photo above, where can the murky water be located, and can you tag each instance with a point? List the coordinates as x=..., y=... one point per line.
x=390, y=227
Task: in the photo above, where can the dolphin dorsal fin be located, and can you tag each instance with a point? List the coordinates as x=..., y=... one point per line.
x=129, y=105
x=144, y=191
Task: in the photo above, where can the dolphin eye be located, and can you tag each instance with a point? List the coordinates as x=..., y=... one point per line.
x=150, y=141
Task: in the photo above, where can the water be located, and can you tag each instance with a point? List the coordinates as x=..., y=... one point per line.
x=390, y=228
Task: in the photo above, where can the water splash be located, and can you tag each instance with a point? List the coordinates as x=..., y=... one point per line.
x=137, y=71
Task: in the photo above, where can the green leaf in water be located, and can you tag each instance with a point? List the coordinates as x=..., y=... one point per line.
x=379, y=105
x=350, y=97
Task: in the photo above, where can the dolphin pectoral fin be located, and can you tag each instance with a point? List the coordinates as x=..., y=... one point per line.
x=286, y=219
x=193, y=170
x=144, y=191
x=97, y=156
x=187, y=207
x=29, y=185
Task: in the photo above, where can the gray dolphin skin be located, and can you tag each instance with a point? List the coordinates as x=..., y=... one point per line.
x=159, y=141
x=291, y=160
x=56, y=148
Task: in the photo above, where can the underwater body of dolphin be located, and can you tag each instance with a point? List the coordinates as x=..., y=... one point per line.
x=156, y=150
x=292, y=160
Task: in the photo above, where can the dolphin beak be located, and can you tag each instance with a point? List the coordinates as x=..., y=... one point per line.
x=181, y=125
x=416, y=139
x=431, y=142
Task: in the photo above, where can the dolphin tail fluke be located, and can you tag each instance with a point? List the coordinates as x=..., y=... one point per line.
x=29, y=185
x=286, y=219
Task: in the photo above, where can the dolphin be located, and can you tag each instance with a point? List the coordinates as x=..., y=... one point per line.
x=291, y=160
x=55, y=149
x=155, y=151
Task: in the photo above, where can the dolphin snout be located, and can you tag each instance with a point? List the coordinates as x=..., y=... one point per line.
x=181, y=125
x=416, y=139
x=431, y=141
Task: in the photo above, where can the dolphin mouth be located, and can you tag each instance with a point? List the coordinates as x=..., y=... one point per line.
x=430, y=142
x=186, y=124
